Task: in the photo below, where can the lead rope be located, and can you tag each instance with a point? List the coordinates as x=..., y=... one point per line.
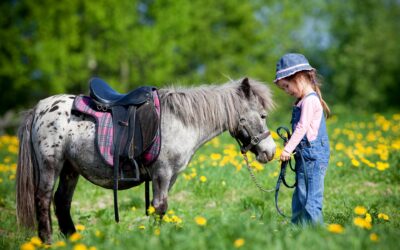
x=253, y=177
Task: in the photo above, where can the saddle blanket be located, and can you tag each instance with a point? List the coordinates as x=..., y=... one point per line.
x=104, y=130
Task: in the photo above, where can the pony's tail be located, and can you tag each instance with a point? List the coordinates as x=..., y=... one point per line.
x=25, y=190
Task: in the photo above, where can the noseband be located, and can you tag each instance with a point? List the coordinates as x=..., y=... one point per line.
x=254, y=139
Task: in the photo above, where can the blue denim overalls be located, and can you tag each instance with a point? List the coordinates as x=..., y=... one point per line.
x=310, y=173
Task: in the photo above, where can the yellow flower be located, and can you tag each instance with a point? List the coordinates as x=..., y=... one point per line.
x=142, y=227
x=36, y=241
x=80, y=246
x=75, y=237
x=360, y=210
x=98, y=233
x=151, y=210
x=355, y=162
x=335, y=228
x=368, y=217
x=92, y=248
x=381, y=166
x=238, y=242
x=201, y=221
x=215, y=157
x=80, y=227
x=133, y=208
x=383, y=216
x=373, y=237
x=339, y=164
x=157, y=231
x=60, y=244
x=203, y=178
x=362, y=223
x=27, y=246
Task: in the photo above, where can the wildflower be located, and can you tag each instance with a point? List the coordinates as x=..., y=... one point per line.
x=27, y=246
x=166, y=219
x=80, y=246
x=98, y=233
x=381, y=166
x=75, y=237
x=339, y=164
x=142, y=227
x=355, y=162
x=60, y=244
x=362, y=223
x=368, y=217
x=92, y=248
x=151, y=210
x=215, y=157
x=201, y=221
x=80, y=227
x=383, y=216
x=157, y=231
x=238, y=242
x=335, y=228
x=360, y=210
x=36, y=241
x=203, y=178
x=133, y=208
x=373, y=237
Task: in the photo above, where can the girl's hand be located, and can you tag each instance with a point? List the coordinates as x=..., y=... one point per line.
x=285, y=156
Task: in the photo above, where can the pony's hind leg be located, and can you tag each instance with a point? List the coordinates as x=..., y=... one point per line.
x=48, y=174
x=63, y=198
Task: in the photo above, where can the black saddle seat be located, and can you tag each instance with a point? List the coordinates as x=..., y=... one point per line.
x=102, y=93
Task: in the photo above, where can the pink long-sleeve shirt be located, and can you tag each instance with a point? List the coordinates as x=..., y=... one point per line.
x=310, y=119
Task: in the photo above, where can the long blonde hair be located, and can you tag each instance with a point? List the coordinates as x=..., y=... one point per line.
x=313, y=77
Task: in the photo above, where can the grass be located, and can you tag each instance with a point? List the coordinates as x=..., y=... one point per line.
x=215, y=205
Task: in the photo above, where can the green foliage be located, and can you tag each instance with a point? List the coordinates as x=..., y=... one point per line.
x=55, y=47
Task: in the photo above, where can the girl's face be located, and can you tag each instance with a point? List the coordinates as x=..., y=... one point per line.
x=292, y=88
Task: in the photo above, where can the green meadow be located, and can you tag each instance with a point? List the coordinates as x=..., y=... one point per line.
x=215, y=204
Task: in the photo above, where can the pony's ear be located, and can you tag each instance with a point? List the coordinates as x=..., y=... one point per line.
x=245, y=87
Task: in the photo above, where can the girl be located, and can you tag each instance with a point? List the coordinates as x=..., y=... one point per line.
x=309, y=139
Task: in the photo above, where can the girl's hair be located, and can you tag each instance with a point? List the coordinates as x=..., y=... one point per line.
x=315, y=80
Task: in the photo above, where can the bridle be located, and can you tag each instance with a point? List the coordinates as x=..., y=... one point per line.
x=254, y=139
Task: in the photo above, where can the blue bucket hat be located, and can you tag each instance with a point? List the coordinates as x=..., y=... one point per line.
x=290, y=64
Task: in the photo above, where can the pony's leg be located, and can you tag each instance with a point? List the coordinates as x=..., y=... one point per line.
x=161, y=182
x=63, y=198
x=49, y=170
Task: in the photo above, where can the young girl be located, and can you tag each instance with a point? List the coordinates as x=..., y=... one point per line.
x=309, y=139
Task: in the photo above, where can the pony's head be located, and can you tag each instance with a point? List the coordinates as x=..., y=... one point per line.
x=250, y=128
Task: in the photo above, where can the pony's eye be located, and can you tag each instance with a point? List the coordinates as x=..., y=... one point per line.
x=263, y=116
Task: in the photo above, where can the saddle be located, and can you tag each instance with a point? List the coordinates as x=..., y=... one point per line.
x=136, y=127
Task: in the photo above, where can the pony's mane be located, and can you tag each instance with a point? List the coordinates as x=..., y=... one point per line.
x=208, y=105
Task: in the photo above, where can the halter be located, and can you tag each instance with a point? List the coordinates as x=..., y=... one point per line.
x=254, y=139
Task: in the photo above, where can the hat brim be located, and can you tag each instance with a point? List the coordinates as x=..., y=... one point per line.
x=291, y=71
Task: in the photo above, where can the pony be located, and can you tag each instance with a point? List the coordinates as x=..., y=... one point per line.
x=57, y=143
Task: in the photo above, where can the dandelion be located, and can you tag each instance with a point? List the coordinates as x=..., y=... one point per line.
x=80, y=246
x=36, y=241
x=151, y=210
x=142, y=227
x=133, y=208
x=362, y=223
x=339, y=164
x=75, y=237
x=201, y=221
x=27, y=246
x=238, y=242
x=368, y=217
x=203, y=178
x=92, y=248
x=157, y=232
x=355, y=162
x=215, y=157
x=381, y=166
x=98, y=233
x=373, y=237
x=80, y=227
x=60, y=244
x=335, y=228
x=360, y=210
x=383, y=216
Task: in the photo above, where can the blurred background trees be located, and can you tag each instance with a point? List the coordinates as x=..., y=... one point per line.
x=56, y=46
